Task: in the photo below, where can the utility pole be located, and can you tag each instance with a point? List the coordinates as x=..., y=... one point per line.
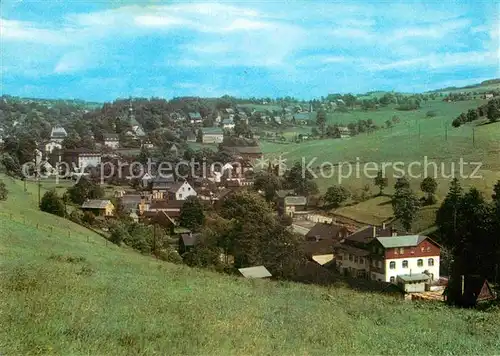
x=445, y=132
x=474, y=137
x=39, y=187
x=154, y=239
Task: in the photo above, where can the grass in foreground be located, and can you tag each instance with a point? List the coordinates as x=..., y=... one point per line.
x=74, y=294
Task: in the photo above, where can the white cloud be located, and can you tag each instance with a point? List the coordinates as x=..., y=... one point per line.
x=159, y=21
x=439, y=60
x=433, y=31
x=353, y=33
x=72, y=62
x=21, y=31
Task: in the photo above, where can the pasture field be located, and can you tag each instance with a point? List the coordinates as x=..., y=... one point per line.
x=479, y=89
x=71, y=294
x=412, y=140
x=374, y=211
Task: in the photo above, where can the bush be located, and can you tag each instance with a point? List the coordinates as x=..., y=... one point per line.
x=76, y=216
x=431, y=114
x=3, y=191
x=456, y=123
x=170, y=255
x=119, y=234
x=88, y=218
x=51, y=203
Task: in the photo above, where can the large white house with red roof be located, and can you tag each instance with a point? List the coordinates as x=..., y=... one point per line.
x=379, y=253
x=400, y=256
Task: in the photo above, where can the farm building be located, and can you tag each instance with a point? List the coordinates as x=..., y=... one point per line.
x=255, y=272
x=413, y=283
x=212, y=135
x=99, y=207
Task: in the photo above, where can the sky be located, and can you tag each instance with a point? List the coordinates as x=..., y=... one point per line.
x=103, y=50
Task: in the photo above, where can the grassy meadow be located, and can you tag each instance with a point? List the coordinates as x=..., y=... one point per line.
x=65, y=291
x=411, y=140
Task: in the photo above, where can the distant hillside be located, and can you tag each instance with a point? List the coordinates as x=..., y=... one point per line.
x=490, y=84
x=65, y=291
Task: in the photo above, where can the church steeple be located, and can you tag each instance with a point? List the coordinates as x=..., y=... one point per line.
x=130, y=110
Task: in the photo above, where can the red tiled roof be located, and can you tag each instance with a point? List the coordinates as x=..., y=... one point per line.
x=325, y=231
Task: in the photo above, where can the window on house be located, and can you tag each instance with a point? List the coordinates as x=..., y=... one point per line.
x=401, y=250
x=392, y=279
x=356, y=259
x=428, y=249
x=412, y=251
x=420, y=262
x=361, y=260
x=422, y=249
x=396, y=251
x=430, y=262
x=405, y=264
x=350, y=257
x=180, y=196
x=392, y=265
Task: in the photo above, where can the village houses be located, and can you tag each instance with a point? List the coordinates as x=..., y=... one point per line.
x=180, y=191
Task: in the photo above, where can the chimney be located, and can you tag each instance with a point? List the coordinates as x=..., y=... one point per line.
x=374, y=231
x=394, y=232
x=383, y=226
x=190, y=234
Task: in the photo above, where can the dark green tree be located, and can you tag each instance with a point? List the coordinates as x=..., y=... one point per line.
x=336, y=195
x=447, y=217
x=429, y=186
x=472, y=115
x=300, y=180
x=493, y=110
x=381, y=182
x=84, y=189
x=11, y=164
x=268, y=183
x=192, y=215
x=321, y=121
x=405, y=205
x=53, y=204
x=118, y=234
x=401, y=183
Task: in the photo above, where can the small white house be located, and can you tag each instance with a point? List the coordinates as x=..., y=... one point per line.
x=51, y=146
x=112, y=141
x=181, y=191
x=228, y=124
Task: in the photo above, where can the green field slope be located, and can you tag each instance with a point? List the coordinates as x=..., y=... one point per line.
x=64, y=291
x=411, y=140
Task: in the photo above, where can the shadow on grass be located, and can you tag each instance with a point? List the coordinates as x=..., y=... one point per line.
x=389, y=202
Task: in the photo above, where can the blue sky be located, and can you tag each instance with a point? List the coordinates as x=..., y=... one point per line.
x=107, y=49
